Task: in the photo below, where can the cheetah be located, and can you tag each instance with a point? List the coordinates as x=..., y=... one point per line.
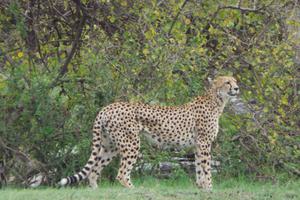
x=118, y=126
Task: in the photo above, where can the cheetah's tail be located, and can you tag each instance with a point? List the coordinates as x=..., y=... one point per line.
x=86, y=170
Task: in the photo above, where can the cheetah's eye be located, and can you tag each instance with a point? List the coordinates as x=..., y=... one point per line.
x=227, y=82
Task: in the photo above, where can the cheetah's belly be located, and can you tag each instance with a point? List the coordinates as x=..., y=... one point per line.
x=169, y=139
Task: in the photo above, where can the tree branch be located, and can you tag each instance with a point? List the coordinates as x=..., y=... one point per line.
x=176, y=17
x=18, y=153
x=64, y=67
x=258, y=10
x=243, y=9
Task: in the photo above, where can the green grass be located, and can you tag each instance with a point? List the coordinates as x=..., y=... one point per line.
x=152, y=189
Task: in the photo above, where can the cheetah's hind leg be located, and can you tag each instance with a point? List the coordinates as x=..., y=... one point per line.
x=103, y=159
x=129, y=150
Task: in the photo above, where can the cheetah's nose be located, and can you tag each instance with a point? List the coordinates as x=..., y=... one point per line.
x=236, y=89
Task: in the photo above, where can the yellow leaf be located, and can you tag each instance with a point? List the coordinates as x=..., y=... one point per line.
x=112, y=19
x=145, y=51
x=150, y=33
x=124, y=3
x=20, y=54
x=284, y=100
x=157, y=13
x=187, y=21
x=228, y=23
x=281, y=111
x=212, y=30
x=201, y=51
x=171, y=40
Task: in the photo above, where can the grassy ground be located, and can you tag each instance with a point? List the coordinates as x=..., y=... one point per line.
x=152, y=189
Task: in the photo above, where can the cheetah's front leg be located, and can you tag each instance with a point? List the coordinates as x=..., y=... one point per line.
x=202, y=165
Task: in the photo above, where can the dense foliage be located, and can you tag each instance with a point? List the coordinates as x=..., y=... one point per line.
x=62, y=61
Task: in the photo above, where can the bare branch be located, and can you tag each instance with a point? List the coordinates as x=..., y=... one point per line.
x=243, y=9
x=20, y=154
x=239, y=3
x=64, y=67
x=176, y=17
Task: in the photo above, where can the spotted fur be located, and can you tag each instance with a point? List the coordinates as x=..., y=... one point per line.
x=118, y=126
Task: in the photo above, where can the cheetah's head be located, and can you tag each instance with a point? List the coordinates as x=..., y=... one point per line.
x=225, y=86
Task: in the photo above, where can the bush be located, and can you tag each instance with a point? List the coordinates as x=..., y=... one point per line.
x=57, y=74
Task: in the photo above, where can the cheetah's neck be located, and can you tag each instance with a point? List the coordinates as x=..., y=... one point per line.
x=211, y=97
x=218, y=99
